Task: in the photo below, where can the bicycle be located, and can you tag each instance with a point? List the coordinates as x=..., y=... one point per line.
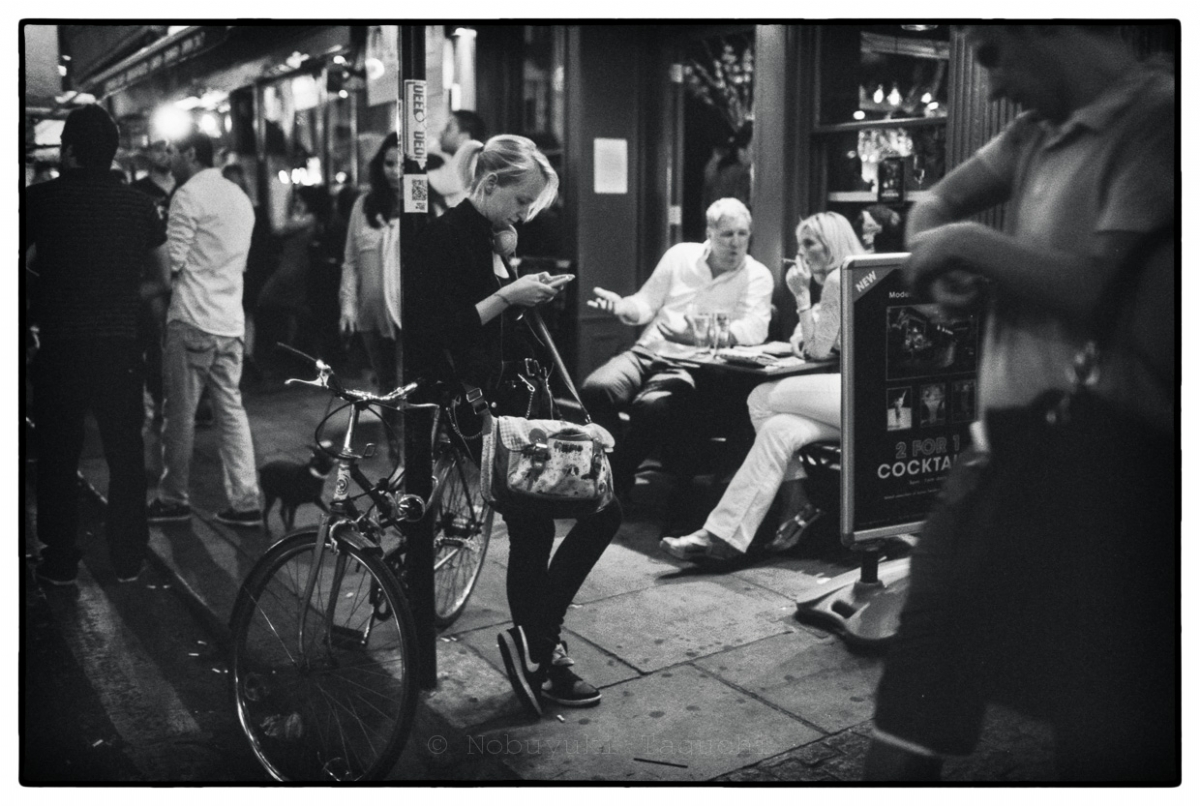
x=324, y=648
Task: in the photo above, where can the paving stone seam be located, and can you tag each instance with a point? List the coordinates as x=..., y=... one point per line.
x=717, y=676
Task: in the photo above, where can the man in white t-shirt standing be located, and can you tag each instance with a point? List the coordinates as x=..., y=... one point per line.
x=208, y=240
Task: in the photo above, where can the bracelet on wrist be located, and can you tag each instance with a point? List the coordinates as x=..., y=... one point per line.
x=805, y=309
x=507, y=302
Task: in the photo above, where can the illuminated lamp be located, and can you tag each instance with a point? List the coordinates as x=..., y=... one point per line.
x=170, y=123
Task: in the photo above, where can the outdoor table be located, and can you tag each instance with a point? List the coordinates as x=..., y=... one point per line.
x=724, y=380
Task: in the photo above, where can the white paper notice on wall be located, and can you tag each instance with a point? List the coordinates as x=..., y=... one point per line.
x=611, y=163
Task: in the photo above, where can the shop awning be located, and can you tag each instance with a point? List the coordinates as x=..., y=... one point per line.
x=168, y=52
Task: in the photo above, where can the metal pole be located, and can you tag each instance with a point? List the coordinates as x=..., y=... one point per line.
x=418, y=460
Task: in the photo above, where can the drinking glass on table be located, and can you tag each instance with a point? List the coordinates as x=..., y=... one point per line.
x=702, y=327
x=720, y=331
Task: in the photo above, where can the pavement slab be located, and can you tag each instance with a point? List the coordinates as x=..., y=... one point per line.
x=817, y=679
x=621, y=569
x=682, y=619
x=679, y=725
x=791, y=576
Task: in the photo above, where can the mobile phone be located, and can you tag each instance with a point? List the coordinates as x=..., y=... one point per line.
x=559, y=280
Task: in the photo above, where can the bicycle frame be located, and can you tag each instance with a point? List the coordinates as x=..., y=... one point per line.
x=342, y=511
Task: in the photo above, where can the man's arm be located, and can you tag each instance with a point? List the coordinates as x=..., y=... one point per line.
x=158, y=289
x=969, y=189
x=752, y=318
x=654, y=292
x=181, y=229
x=641, y=307
x=1139, y=193
x=1068, y=283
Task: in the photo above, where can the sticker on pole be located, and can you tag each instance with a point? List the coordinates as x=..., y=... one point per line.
x=416, y=193
x=415, y=146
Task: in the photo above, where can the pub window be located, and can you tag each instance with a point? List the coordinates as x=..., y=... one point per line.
x=882, y=103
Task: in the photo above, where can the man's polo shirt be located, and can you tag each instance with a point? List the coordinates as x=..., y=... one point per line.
x=683, y=283
x=1109, y=167
x=208, y=238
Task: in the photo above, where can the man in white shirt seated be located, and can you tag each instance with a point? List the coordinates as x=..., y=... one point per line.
x=716, y=276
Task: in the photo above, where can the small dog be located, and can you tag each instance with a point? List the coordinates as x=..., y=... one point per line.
x=294, y=484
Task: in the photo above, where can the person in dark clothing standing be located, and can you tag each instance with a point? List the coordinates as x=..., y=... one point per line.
x=469, y=308
x=158, y=184
x=87, y=237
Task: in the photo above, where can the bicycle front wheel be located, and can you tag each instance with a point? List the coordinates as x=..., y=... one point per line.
x=462, y=527
x=325, y=685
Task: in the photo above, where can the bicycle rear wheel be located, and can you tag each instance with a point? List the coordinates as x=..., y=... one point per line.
x=339, y=705
x=462, y=528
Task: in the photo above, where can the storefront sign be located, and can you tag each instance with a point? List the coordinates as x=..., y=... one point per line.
x=415, y=117
x=908, y=390
x=170, y=52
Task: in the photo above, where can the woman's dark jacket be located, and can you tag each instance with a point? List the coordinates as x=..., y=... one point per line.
x=451, y=270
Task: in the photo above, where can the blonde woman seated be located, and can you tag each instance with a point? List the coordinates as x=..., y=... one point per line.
x=787, y=414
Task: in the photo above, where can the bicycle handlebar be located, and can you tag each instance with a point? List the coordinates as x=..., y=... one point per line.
x=326, y=379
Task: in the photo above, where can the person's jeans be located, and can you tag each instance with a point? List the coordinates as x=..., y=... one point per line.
x=653, y=390
x=540, y=589
x=193, y=360
x=104, y=375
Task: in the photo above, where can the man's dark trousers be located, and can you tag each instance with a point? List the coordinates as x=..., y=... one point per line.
x=106, y=376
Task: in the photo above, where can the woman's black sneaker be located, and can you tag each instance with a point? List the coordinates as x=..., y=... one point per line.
x=565, y=687
x=525, y=676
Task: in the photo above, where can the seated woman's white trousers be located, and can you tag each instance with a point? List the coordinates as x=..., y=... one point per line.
x=787, y=415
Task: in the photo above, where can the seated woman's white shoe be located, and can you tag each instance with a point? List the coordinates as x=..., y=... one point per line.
x=699, y=546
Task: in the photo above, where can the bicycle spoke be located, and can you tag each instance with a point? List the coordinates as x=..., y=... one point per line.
x=340, y=706
x=279, y=638
x=350, y=712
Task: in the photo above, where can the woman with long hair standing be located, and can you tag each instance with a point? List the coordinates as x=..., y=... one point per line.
x=466, y=309
x=370, y=289
x=787, y=414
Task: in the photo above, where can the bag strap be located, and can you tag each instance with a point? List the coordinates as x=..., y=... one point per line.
x=534, y=320
x=474, y=397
